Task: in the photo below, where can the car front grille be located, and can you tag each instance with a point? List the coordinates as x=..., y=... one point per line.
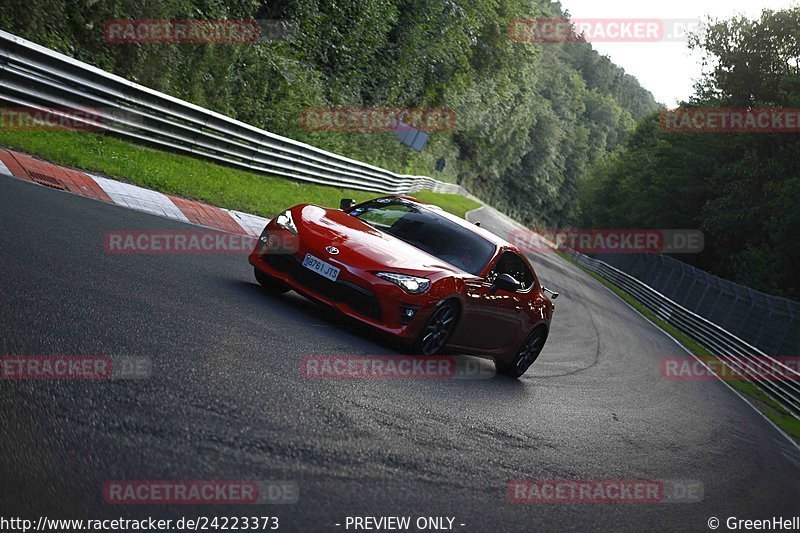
x=360, y=300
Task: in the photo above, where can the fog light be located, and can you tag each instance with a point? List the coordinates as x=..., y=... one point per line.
x=407, y=313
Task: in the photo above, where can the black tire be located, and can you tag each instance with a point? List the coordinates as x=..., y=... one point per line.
x=437, y=329
x=271, y=284
x=525, y=356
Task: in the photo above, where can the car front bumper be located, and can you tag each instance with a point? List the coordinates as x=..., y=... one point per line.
x=358, y=294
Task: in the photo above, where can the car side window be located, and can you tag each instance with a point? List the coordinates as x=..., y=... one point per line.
x=511, y=263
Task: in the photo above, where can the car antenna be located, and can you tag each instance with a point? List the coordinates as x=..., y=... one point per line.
x=478, y=223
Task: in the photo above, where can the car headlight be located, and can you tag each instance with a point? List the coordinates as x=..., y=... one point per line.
x=285, y=221
x=410, y=284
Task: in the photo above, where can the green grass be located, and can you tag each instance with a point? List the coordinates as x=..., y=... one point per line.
x=192, y=178
x=452, y=203
x=767, y=405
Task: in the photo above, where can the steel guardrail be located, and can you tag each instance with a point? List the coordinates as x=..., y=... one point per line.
x=739, y=356
x=37, y=78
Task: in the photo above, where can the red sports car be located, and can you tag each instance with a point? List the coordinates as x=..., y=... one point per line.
x=425, y=277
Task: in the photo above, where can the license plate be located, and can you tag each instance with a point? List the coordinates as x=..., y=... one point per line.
x=321, y=267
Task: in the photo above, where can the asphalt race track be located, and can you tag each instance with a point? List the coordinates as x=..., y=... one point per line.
x=227, y=401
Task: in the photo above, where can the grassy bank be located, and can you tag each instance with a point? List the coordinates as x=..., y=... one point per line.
x=189, y=177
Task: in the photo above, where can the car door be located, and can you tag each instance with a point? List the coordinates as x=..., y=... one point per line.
x=494, y=318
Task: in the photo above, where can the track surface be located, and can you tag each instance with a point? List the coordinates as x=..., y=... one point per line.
x=227, y=400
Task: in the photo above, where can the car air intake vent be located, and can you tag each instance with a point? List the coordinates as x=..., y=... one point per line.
x=359, y=299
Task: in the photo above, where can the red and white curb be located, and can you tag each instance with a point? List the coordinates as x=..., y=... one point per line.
x=124, y=194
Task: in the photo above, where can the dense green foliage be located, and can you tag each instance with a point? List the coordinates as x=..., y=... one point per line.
x=741, y=189
x=531, y=118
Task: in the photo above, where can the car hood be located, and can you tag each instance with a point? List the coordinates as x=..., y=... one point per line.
x=362, y=245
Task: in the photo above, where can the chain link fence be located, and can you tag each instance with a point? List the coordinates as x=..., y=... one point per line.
x=769, y=323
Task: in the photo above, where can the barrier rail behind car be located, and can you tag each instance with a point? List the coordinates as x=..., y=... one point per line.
x=738, y=355
x=36, y=78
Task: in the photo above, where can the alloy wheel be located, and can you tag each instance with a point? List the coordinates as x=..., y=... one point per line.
x=438, y=330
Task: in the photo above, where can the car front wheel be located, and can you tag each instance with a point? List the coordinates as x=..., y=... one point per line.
x=437, y=330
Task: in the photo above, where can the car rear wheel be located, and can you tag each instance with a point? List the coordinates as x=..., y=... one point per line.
x=271, y=284
x=526, y=355
x=437, y=330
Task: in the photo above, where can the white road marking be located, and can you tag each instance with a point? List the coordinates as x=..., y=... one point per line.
x=252, y=224
x=4, y=169
x=140, y=198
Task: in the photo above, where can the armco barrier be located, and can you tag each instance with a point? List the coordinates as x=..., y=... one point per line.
x=733, y=351
x=770, y=323
x=36, y=78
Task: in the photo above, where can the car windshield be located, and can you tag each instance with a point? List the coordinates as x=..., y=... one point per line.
x=429, y=232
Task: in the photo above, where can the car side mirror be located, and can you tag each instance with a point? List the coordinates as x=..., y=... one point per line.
x=346, y=203
x=504, y=282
